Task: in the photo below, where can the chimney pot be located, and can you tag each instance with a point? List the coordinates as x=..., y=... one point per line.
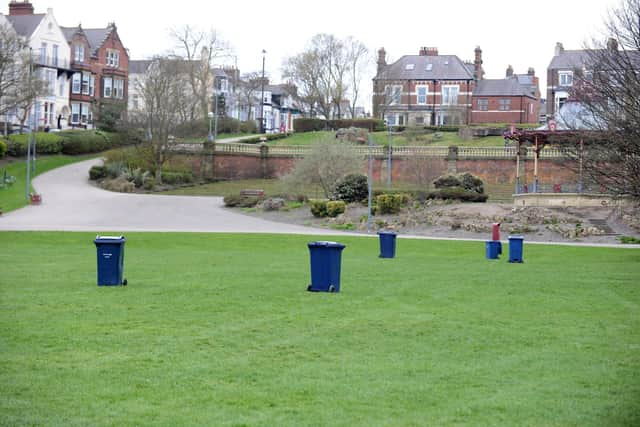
x=531, y=71
x=559, y=49
x=612, y=45
x=509, y=71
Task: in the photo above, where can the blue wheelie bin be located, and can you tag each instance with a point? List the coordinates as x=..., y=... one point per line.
x=516, y=244
x=110, y=260
x=387, y=244
x=492, y=249
x=325, y=258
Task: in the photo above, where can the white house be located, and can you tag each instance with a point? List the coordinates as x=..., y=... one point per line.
x=51, y=57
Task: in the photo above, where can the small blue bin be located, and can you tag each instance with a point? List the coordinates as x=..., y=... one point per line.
x=516, y=244
x=110, y=260
x=387, y=244
x=493, y=249
x=325, y=258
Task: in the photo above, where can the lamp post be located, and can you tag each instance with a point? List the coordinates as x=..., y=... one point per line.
x=389, y=159
x=262, y=95
x=210, y=136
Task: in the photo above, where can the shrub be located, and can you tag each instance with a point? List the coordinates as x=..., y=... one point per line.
x=318, y=208
x=389, y=203
x=81, y=142
x=472, y=183
x=119, y=184
x=3, y=148
x=273, y=204
x=446, y=181
x=46, y=143
x=234, y=201
x=335, y=208
x=174, y=178
x=352, y=188
x=97, y=172
x=309, y=125
x=458, y=193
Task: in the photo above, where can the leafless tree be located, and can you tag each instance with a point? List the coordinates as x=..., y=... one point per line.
x=249, y=92
x=359, y=62
x=608, y=91
x=161, y=94
x=200, y=50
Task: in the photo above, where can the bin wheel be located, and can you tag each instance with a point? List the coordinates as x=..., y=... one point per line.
x=309, y=288
x=124, y=282
x=332, y=288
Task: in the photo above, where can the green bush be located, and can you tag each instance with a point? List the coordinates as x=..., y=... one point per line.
x=389, y=203
x=318, y=208
x=97, y=172
x=335, y=208
x=235, y=201
x=83, y=141
x=352, y=188
x=3, y=148
x=446, y=181
x=175, y=178
x=472, y=183
x=309, y=125
x=268, y=136
x=443, y=128
x=46, y=143
x=458, y=193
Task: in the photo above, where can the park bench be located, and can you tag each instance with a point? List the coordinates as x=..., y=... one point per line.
x=252, y=193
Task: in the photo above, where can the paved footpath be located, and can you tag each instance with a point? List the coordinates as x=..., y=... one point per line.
x=71, y=203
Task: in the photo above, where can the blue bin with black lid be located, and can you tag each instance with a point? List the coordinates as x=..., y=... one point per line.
x=326, y=259
x=110, y=250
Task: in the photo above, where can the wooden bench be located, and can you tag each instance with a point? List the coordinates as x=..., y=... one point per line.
x=252, y=193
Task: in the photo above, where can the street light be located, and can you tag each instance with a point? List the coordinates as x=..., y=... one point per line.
x=262, y=96
x=389, y=159
x=210, y=136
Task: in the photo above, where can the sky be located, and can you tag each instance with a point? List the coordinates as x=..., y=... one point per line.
x=510, y=32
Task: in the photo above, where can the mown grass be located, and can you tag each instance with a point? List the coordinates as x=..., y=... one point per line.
x=398, y=139
x=217, y=329
x=14, y=197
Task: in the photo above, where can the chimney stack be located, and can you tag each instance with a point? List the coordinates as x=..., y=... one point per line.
x=531, y=71
x=478, y=72
x=428, y=51
x=382, y=62
x=612, y=45
x=509, y=71
x=19, y=8
x=559, y=49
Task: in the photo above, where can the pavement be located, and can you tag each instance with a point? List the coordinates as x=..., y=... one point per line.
x=70, y=202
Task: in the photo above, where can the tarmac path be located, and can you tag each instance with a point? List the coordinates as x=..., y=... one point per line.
x=71, y=203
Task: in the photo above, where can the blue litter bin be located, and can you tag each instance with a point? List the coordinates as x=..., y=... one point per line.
x=515, y=248
x=325, y=260
x=387, y=244
x=110, y=260
x=493, y=249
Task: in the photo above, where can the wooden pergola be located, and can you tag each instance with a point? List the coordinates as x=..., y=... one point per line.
x=539, y=139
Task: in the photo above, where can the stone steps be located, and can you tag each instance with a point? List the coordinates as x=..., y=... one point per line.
x=604, y=226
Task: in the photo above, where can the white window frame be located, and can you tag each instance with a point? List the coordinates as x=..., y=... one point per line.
x=483, y=104
x=565, y=78
x=86, y=79
x=55, y=55
x=394, y=94
x=76, y=83
x=118, y=88
x=78, y=53
x=450, y=94
x=92, y=85
x=505, y=104
x=61, y=85
x=418, y=95
x=107, y=90
x=113, y=58
x=75, y=113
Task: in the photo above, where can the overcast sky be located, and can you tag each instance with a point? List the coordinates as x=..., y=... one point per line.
x=517, y=32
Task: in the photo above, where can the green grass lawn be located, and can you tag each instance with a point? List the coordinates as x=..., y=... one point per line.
x=382, y=138
x=217, y=329
x=14, y=197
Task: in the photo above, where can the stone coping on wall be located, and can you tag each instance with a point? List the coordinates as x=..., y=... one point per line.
x=568, y=200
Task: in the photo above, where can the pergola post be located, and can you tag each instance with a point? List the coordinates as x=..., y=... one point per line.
x=518, y=166
x=535, y=166
x=581, y=160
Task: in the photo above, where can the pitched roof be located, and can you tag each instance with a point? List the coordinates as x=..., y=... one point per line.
x=95, y=36
x=25, y=25
x=139, y=66
x=419, y=67
x=501, y=87
x=569, y=59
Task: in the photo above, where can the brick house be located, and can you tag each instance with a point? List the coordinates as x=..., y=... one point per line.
x=560, y=76
x=425, y=89
x=514, y=99
x=101, y=72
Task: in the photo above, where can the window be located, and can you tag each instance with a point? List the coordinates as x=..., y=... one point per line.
x=78, y=53
x=419, y=120
x=566, y=78
x=429, y=67
x=422, y=94
x=393, y=94
x=483, y=104
x=505, y=104
x=61, y=85
x=409, y=67
x=75, y=82
x=51, y=78
x=108, y=86
x=113, y=58
x=55, y=55
x=92, y=85
x=86, y=77
x=450, y=95
x=75, y=113
x=118, y=88
x=43, y=53
x=84, y=110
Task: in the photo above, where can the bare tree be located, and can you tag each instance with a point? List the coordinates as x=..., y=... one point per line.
x=200, y=49
x=359, y=62
x=161, y=93
x=249, y=92
x=608, y=91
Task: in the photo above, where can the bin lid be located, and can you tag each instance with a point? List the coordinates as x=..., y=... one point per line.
x=516, y=237
x=326, y=244
x=109, y=239
x=388, y=233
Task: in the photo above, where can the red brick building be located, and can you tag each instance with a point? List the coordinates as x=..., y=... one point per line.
x=101, y=67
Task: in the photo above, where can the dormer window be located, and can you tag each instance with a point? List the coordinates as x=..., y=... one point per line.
x=409, y=67
x=429, y=67
x=78, y=53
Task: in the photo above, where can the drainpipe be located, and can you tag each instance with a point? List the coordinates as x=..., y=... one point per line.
x=433, y=112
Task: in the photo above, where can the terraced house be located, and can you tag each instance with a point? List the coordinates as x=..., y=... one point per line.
x=100, y=64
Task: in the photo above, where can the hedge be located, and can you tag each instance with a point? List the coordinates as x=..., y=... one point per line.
x=69, y=142
x=3, y=148
x=308, y=125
